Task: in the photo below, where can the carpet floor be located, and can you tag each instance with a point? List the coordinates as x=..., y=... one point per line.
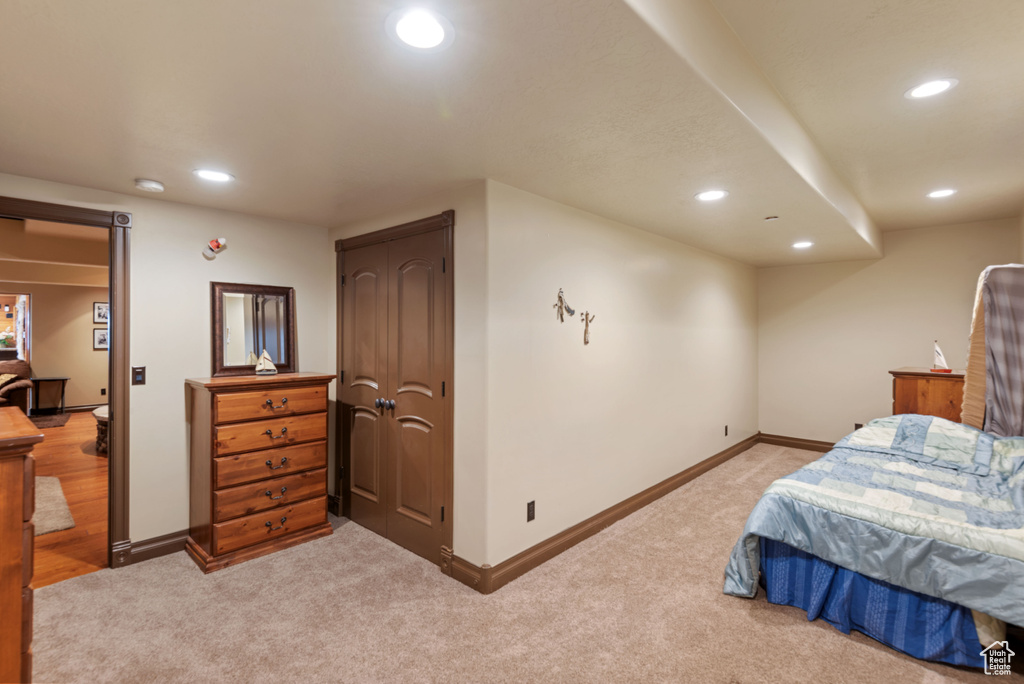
x=640, y=602
x=52, y=513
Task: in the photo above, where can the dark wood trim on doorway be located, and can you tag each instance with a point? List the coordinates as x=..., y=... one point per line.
x=444, y=221
x=119, y=223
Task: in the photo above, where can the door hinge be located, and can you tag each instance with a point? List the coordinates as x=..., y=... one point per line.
x=341, y=377
x=343, y=280
x=442, y=513
x=341, y=473
x=442, y=388
x=444, y=264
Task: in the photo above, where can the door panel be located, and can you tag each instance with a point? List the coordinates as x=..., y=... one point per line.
x=368, y=289
x=364, y=358
x=364, y=471
x=416, y=343
x=412, y=471
x=414, y=325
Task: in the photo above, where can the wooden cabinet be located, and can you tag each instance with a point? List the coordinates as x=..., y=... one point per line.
x=918, y=390
x=18, y=436
x=258, y=465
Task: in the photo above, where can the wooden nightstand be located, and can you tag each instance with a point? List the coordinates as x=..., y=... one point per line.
x=918, y=390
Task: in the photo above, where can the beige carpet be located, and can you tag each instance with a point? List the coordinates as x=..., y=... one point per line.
x=52, y=512
x=640, y=602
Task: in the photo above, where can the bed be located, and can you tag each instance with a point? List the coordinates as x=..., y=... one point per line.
x=911, y=530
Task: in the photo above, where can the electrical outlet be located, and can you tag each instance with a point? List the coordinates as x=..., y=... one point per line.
x=726, y=430
x=103, y=391
x=531, y=512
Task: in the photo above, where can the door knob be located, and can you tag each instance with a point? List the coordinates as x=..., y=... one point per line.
x=378, y=403
x=390, y=404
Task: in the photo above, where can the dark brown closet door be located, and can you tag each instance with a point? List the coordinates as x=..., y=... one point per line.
x=394, y=350
x=416, y=367
x=364, y=360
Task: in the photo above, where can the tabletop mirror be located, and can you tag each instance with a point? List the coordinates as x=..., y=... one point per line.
x=248, y=319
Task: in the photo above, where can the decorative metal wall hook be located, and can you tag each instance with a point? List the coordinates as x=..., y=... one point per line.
x=562, y=307
x=585, y=319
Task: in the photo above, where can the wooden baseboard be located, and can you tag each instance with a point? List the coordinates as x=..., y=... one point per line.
x=487, y=579
x=127, y=552
x=795, y=442
x=83, y=408
x=163, y=545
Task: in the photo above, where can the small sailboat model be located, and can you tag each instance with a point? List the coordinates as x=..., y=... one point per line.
x=251, y=360
x=264, y=366
x=940, y=365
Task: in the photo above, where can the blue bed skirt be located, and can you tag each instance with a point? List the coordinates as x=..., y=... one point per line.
x=919, y=625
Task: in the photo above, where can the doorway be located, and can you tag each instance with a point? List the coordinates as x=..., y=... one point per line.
x=395, y=358
x=114, y=335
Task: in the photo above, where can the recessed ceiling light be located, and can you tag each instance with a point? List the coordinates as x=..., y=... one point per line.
x=711, y=195
x=930, y=88
x=936, y=194
x=217, y=176
x=802, y=245
x=420, y=29
x=149, y=185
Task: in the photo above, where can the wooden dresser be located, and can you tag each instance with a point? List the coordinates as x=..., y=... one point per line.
x=258, y=465
x=918, y=390
x=18, y=436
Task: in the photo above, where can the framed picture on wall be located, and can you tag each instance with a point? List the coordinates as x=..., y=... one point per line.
x=100, y=312
x=100, y=339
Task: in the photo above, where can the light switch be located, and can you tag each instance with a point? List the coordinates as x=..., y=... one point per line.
x=138, y=375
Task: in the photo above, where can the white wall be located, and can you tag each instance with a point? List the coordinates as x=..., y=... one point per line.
x=672, y=359
x=830, y=333
x=470, y=243
x=538, y=416
x=170, y=320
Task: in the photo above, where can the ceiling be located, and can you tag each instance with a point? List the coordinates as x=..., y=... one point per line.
x=594, y=103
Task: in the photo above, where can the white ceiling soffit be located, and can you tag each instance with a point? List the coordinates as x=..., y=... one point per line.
x=698, y=34
x=843, y=68
x=324, y=120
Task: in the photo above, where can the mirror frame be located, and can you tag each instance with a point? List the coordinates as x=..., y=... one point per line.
x=217, y=290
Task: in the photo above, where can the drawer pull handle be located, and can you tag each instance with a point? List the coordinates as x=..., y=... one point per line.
x=270, y=403
x=271, y=433
x=275, y=498
x=271, y=525
x=284, y=459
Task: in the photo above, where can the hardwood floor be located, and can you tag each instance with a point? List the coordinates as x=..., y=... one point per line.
x=69, y=453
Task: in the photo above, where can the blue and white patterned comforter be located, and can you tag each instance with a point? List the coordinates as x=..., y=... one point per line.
x=920, y=502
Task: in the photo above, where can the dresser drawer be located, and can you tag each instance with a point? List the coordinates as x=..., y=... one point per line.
x=274, y=493
x=253, y=529
x=270, y=433
x=241, y=468
x=237, y=406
